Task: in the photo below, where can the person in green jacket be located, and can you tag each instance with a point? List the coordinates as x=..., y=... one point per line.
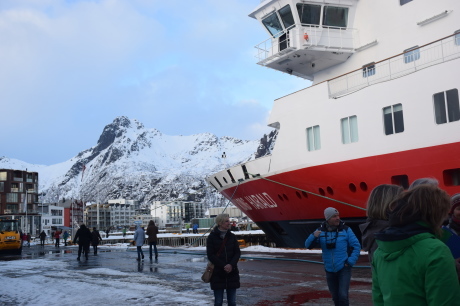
x=411, y=266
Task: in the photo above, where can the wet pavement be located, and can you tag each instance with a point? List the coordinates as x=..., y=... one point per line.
x=266, y=278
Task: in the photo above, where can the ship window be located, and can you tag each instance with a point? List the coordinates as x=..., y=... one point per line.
x=2, y=176
x=446, y=106
x=400, y=180
x=411, y=54
x=335, y=16
x=393, y=119
x=231, y=176
x=402, y=2
x=286, y=16
x=309, y=14
x=349, y=129
x=368, y=70
x=451, y=177
x=457, y=37
x=313, y=138
x=2, y=187
x=272, y=24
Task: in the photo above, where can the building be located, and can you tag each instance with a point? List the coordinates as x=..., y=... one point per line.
x=97, y=215
x=19, y=198
x=117, y=214
x=176, y=213
x=52, y=217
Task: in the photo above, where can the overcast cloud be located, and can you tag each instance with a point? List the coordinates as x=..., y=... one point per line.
x=68, y=68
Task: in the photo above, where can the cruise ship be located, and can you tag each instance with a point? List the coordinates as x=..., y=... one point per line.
x=383, y=108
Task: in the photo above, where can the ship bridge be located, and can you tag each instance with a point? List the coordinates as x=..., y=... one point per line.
x=305, y=36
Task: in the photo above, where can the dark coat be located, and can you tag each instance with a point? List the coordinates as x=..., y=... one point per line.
x=230, y=254
x=152, y=232
x=368, y=230
x=95, y=237
x=83, y=235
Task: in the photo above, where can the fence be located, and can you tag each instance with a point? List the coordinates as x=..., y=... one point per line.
x=395, y=67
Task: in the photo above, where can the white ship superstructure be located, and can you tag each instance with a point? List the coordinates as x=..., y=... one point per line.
x=383, y=108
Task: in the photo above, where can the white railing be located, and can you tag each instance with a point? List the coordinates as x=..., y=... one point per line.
x=319, y=38
x=434, y=53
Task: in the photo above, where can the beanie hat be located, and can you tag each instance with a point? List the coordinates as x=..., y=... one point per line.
x=329, y=212
x=455, y=201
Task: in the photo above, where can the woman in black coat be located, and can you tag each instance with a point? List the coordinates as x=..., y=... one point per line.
x=224, y=252
x=95, y=239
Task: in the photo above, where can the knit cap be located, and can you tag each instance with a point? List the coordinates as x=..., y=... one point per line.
x=329, y=212
x=455, y=201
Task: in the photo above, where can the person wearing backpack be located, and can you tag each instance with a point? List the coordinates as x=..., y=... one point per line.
x=340, y=251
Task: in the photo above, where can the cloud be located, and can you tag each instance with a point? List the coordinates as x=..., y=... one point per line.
x=70, y=67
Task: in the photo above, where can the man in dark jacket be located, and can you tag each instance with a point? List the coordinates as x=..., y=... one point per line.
x=42, y=238
x=224, y=252
x=83, y=236
x=95, y=239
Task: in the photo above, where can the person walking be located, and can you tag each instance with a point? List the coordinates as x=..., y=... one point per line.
x=83, y=236
x=65, y=236
x=411, y=266
x=377, y=214
x=195, y=228
x=340, y=251
x=57, y=235
x=95, y=239
x=152, y=231
x=223, y=251
x=42, y=238
x=139, y=239
x=124, y=232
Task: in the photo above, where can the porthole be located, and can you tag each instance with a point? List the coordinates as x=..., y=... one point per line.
x=285, y=197
x=298, y=194
x=280, y=197
x=305, y=194
x=363, y=186
x=330, y=190
x=321, y=192
x=352, y=187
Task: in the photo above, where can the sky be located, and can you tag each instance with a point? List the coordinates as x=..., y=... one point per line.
x=70, y=67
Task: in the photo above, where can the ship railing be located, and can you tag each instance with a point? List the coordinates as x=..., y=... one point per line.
x=411, y=61
x=306, y=36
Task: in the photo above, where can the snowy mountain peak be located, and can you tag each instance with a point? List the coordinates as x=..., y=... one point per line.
x=133, y=162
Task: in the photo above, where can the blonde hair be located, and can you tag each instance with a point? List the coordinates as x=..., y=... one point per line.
x=221, y=218
x=379, y=200
x=426, y=203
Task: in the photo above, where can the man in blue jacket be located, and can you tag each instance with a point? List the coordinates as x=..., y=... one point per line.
x=340, y=252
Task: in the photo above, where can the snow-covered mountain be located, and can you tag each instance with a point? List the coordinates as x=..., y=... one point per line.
x=132, y=162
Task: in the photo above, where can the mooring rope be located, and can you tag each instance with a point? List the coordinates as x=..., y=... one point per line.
x=300, y=189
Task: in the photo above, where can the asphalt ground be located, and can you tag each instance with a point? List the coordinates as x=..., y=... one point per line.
x=286, y=278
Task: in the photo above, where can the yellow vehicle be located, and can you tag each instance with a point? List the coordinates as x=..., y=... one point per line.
x=10, y=238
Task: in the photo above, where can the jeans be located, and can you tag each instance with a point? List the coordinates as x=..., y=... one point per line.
x=140, y=253
x=339, y=283
x=219, y=297
x=154, y=244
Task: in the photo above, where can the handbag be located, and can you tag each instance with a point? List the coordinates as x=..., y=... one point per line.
x=206, y=277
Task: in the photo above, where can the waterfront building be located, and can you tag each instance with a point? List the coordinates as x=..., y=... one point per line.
x=19, y=198
x=176, y=213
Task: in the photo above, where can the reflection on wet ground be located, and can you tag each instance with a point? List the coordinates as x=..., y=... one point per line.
x=280, y=279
